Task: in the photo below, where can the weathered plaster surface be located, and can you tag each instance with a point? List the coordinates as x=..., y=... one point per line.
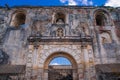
x=79, y=21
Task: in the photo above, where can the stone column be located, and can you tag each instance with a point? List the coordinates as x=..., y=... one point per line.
x=40, y=74
x=91, y=72
x=74, y=75
x=80, y=72
x=35, y=64
x=81, y=65
x=45, y=75
x=86, y=63
x=29, y=62
x=35, y=58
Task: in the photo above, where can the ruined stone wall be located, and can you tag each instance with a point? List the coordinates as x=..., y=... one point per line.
x=17, y=24
x=40, y=21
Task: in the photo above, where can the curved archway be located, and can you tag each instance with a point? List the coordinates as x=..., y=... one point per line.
x=101, y=10
x=62, y=72
x=18, y=18
x=60, y=54
x=59, y=17
x=101, y=17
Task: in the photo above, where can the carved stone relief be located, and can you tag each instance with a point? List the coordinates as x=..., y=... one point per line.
x=106, y=38
x=108, y=44
x=60, y=32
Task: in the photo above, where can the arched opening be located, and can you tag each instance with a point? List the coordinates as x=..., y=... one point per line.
x=101, y=20
x=60, y=61
x=18, y=19
x=59, y=17
x=61, y=66
x=101, y=17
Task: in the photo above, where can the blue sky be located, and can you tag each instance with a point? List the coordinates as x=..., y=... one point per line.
x=60, y=61
x=113, y=3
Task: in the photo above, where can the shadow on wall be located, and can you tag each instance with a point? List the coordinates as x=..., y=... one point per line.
x=3, y=57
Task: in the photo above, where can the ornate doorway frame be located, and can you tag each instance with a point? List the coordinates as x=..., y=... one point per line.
x=60, y=54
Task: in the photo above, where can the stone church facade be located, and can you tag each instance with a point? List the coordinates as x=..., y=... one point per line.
x=30, y=37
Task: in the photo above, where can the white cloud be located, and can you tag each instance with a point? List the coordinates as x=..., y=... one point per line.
x=72, y=2
x=113, y=3
x=63, y=1
x=86, y=2
x=54, y=64
x=77, y=2
x=90, y=3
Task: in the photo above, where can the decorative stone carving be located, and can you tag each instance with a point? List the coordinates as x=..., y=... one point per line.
x=106, y=37
x=60, y=32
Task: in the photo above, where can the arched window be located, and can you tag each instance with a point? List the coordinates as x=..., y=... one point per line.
x=60, y=18
x=18, y=19
x=101, y=18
